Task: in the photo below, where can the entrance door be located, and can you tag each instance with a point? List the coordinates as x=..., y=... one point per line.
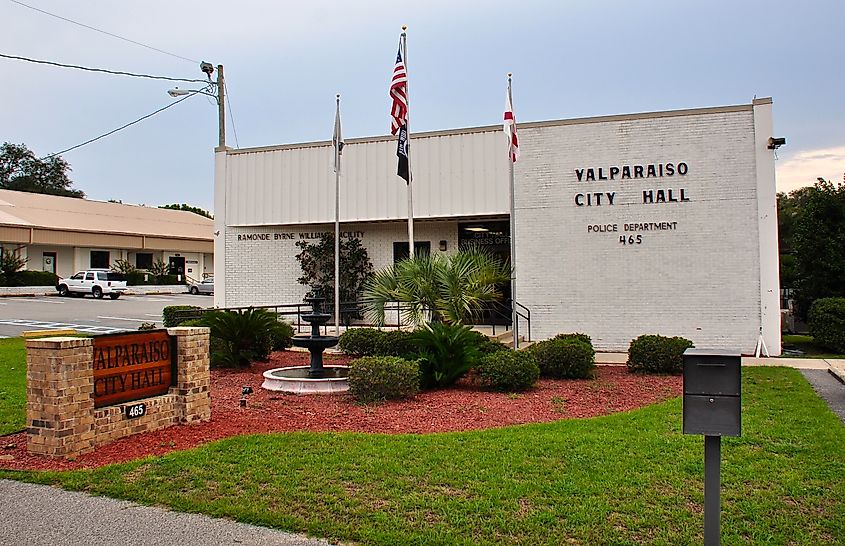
x=48, y=262
x=177, y=265
x=493, y=237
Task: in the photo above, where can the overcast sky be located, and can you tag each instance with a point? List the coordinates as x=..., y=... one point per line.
x=285, y=61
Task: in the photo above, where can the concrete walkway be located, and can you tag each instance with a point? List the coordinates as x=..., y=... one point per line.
x=39, y=515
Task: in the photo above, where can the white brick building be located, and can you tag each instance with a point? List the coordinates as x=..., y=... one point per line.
x=625, y=225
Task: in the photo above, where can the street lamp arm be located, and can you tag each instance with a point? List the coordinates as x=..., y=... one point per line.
x=176, y=92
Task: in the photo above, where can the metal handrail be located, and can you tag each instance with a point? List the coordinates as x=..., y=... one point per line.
x=351, y=309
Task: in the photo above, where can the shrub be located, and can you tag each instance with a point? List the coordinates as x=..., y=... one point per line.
x=447, y=352
x=123, y=266
x=487, y=345
x=10, y=263
x=395, y=343
x=281, y=335
x=30, y=278
x=657, y=354
x=243, y=336
x=170, y=316
x=826, y=320
x=580, y=337
x=147, y=326
x=359, y=341
x=372, y=342
x=377, y=378
x=565, y=358
x=508, y=371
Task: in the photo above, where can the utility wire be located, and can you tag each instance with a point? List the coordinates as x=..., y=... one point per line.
x=89, y=69
x=232, y=117
x=103, y=32
x=119, y=128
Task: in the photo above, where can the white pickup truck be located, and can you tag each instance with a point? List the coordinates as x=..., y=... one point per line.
x=97, y=282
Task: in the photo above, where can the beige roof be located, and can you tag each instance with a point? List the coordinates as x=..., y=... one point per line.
x=24, y=209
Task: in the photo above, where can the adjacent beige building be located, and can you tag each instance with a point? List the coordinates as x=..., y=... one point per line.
x=64, y=235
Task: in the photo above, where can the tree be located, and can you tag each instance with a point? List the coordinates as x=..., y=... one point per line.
x=20, y=170
x=448, y=289
x=317, y=263
x=188, y=208
x=789, y=208
x=820, y=244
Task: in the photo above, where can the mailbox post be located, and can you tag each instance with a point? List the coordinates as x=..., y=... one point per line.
x=712, y=397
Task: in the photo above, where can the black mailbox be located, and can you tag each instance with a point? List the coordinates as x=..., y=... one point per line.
x=712, y=392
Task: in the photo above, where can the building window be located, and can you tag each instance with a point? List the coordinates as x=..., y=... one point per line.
x=99, y=259
x=400, y=250
x=143, y=260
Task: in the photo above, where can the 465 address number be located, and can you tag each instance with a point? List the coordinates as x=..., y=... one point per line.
x=630, y=239
x=134, y=411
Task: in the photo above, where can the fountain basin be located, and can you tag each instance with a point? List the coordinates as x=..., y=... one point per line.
x=295, y=380
x=314, y=342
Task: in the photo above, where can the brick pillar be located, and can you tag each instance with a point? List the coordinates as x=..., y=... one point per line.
x=60, y=396
x=192, y=374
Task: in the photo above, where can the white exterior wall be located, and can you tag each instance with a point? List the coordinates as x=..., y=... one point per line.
x=701, y=280
x=263, y=271
x=712, y=279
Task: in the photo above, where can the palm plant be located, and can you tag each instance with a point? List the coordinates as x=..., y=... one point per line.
x=240, y=337
x=436, y=288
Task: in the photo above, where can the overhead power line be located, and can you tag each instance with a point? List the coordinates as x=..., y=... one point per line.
x=103, y=31
x=120, y=128
x=103, y=70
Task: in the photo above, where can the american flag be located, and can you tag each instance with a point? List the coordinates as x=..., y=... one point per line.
x=399, y=93
x=510, y=129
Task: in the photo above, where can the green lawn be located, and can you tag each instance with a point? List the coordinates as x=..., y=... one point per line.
x=12, y=385
x=807, y=345
x=628, y=478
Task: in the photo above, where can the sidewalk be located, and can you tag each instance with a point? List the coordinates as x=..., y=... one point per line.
x=39, y=515
x=836, y=366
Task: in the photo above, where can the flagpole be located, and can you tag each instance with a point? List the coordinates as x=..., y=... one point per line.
x=337, y=145
x=514, y=315
x=408, y=147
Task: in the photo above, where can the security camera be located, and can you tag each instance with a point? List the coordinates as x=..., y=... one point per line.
x=208, y=68
x=775, y=143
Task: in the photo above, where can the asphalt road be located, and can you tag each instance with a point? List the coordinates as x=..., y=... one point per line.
x=19, y=314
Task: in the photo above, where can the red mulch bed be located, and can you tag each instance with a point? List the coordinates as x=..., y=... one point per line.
x=463, y=407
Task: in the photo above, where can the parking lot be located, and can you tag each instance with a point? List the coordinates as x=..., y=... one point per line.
x=96, y=316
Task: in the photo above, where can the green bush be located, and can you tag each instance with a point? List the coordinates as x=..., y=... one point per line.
x=29, y=278
x=169, y=315
x=657, y=354
x=360, y=341
x=377, y=378
x=240, y=337
x=565, y=358
x=372, y=342
x=395, y=343
x=508, y=371
x=826, y=320
x=446, y=353
x=580, y=337
x=281, y=335
x=487, y=345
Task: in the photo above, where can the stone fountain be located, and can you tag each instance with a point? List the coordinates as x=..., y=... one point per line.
x=315, y=378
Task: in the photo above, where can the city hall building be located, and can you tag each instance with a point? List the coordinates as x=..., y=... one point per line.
x=654, y=223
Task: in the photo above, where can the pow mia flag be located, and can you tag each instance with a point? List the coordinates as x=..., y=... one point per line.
x=402, y=154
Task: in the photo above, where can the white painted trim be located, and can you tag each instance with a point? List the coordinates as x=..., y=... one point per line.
x=768, y=228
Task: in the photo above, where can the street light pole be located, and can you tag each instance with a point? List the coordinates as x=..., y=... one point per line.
x=221, y=107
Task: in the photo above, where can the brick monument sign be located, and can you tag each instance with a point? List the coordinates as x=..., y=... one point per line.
x=85, y=392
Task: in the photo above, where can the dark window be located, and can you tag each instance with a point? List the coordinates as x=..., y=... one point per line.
x=400, y=250
x=89, y=276
x=99, y=259
x=143, y=260
x=113, y=276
